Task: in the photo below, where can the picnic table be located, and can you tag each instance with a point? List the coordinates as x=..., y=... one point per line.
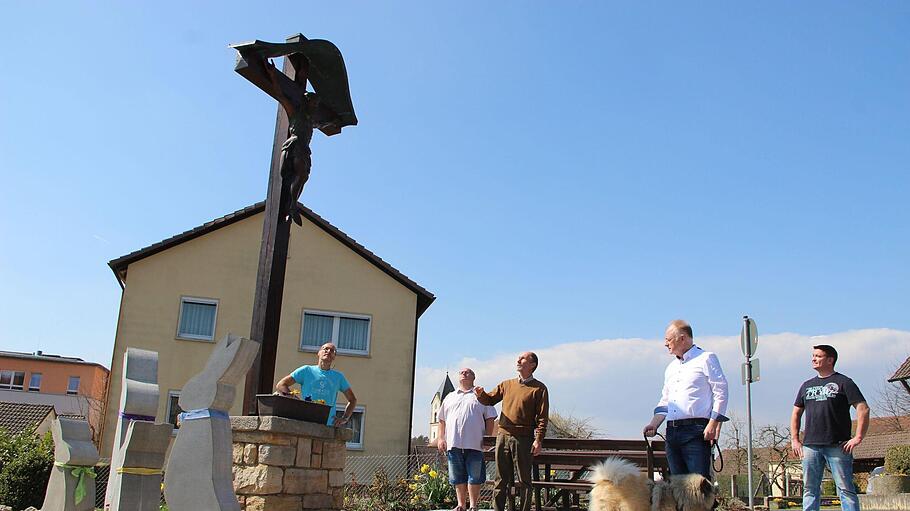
x=558, y=471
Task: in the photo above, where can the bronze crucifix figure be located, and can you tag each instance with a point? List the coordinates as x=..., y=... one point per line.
x=328, y=108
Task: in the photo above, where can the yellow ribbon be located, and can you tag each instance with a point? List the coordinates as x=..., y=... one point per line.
x=139, y=471
x=79, y=472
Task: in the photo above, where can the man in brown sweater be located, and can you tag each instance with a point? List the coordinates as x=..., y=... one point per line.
x=522, y=426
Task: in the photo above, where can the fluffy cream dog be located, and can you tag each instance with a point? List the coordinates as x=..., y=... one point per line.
x=620, y=486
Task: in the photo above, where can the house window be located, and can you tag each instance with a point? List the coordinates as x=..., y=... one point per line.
x=12, y=380
x=356, y=423
x=197, y=319
x=173, y=407
x=73, y=386
x=349, y=332
x=34, y=382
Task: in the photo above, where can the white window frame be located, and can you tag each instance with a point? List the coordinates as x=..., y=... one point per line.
x=12, y=378
x=335, y=327
x=40, y=378
x=355, y=446
x=204, y=301
x=78, y=384
x=167, y=411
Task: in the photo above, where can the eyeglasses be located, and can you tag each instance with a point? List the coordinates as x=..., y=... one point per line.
x=465, y=372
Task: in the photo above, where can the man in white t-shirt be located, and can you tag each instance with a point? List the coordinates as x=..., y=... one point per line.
x=463, y=422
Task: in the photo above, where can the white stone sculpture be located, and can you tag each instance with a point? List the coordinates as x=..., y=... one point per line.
x=72, y=483
x=198, y=475
x=142, y=459
x=138, y=401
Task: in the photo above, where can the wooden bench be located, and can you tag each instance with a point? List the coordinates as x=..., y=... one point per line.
x=570, y=458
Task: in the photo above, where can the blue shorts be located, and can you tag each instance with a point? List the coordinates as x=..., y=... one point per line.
x=466, y=466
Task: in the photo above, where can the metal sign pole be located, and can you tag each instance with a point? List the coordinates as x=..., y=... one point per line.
x=748, y=349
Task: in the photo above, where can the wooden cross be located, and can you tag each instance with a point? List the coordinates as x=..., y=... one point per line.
x=328, y=109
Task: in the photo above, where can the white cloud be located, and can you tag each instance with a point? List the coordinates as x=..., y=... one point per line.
x=618, y=381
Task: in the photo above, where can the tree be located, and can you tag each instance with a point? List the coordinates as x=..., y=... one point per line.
x=892, y=401
x=25, y=467
x=774, y=440
x=568, y=426
x=420, y=440
x=771, y=451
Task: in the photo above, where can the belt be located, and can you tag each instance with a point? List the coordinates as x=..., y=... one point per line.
x=687, y=422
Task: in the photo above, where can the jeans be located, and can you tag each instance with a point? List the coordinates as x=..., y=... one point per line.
x=687, y=451
x=841, y=466
x=466, y=466
x=513, y=454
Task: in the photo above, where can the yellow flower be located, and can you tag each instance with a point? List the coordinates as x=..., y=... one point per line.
x=424, y=469
x=433, y=474
x=412, y=486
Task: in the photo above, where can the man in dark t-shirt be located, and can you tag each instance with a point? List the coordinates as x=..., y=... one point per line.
x=826, y=400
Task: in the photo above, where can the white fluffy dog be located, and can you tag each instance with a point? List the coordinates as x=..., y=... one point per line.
x=620, y=486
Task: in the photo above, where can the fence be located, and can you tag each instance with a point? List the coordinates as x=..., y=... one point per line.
x=362, y=471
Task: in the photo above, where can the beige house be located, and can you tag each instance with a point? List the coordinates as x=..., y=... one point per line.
x=183, y=294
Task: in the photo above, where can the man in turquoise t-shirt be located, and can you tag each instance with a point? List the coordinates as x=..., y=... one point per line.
x=322, y=382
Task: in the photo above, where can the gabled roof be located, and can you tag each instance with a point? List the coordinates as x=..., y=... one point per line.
x=18, y=417
x=875, y=446
x=902, y=373
x=444, y=388
x=121, y=264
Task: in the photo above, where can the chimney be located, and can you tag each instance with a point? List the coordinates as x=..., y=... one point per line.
x=38, y=353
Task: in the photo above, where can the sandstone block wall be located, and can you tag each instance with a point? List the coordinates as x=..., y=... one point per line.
x=283, y=464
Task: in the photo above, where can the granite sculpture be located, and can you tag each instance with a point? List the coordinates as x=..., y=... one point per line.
x=72, y=483
x=142, y=459
x=138, y=401
x=198, y=474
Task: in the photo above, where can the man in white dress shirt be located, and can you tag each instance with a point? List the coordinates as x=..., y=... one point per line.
x=694, y=400
x=462, y=423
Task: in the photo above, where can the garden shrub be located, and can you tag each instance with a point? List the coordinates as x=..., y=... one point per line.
x=25, y=467
x=897, y=460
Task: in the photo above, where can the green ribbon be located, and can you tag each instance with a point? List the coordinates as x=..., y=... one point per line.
x=79, y=472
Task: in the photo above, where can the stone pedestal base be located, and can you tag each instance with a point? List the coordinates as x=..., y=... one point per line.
x=900, y=502
x=283, y=464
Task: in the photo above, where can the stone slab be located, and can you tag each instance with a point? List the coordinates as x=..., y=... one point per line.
x=258, y=480
x=305, y=481
x=145, y=448
x=273, y=503
x=244, y=422
x=295, y=427
x=198, y=474
x=72, y=446
x=281, y=456
x=899, y=502
x=139, y=395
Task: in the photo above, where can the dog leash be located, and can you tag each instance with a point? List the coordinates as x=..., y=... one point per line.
x=720, y=457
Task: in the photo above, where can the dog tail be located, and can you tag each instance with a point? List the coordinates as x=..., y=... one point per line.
x=612, y=470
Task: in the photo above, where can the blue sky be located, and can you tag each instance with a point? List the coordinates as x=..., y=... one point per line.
x=555, y=172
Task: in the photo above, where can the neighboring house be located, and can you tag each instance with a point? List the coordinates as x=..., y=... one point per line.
x=444, y=388
x=18, y=417
x=902, y=374
x=183, y=294
x=71, y=385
